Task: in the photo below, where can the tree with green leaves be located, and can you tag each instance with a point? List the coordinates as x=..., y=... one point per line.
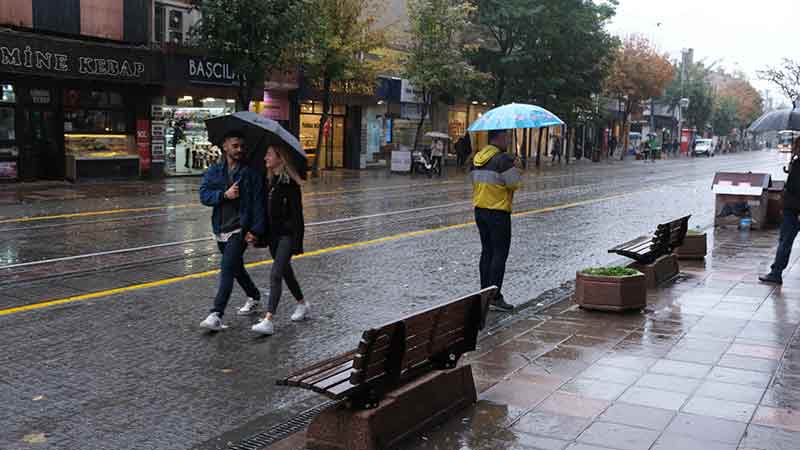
x=725, y=117
x=436, y=63
x=254, y=36
x=697, y=88
x=339, y=36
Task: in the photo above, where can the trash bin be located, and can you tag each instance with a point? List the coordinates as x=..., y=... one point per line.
x=741, y=195
x=775, y=203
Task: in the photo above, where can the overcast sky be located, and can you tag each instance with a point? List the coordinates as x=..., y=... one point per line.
x=742, y=35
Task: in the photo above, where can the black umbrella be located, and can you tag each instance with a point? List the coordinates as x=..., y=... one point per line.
x=782, y=119
x=259, y=133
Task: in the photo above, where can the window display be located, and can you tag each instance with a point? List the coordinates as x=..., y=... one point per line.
x=94, y=146
x=7, y=126
x=7, y=94
x=188, y=150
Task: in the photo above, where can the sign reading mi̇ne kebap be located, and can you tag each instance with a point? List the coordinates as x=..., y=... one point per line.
x=72, y=59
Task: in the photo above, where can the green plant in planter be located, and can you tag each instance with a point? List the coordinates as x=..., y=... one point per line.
x=611, y=272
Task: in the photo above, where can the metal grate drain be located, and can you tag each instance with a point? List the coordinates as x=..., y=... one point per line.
x=283, y=430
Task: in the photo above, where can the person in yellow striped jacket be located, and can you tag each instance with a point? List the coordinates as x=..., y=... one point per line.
x=495, y=177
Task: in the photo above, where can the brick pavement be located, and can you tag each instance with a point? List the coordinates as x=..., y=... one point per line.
x=713, y=363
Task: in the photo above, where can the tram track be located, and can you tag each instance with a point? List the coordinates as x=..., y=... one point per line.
x=431, y=217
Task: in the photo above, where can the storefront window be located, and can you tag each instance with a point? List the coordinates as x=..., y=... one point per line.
x=332, y=154
x=7, y=94
x=7, y=128
x=188, y=150
x=89, y=146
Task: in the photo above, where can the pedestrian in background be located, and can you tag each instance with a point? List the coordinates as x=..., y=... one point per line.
x=613, y=144
x=228, y=187
x=791, y=225
x=284, y=227
x=463, y=150
x=495, y=176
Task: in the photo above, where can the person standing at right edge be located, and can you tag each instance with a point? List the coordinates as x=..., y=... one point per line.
x=791, y=224
x=285, y=227
x=495, y=177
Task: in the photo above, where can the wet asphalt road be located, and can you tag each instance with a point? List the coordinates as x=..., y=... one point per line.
x=131, y=370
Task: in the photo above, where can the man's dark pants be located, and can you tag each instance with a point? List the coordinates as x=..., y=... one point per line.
x=789, y=229
x=232, y=267
x=495, y=230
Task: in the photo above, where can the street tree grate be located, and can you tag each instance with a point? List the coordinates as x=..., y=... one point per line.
x=283, y=430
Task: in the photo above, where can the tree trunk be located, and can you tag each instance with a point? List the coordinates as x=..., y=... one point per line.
x=567, y=132
x=501, y=90
x=326, y=105
x=426, y=98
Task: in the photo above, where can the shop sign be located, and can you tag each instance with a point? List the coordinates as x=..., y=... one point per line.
x=206, y=71
x=157, y=151
x=276, y=106
x=40, y=96
x=143, y=144
x=31, y=54
x=401, y=161
x=409, y=93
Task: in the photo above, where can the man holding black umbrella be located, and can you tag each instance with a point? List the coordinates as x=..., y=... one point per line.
x=228, y=187
x=791, y=223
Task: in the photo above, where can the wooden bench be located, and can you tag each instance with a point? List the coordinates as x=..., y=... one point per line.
x=647, y=249
x=398, y=352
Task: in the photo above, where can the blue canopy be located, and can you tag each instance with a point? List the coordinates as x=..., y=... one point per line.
x=516, y=116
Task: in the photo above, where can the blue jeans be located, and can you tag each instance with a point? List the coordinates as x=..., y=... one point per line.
x=789, y=229
x=232, y=267
x=495, y=230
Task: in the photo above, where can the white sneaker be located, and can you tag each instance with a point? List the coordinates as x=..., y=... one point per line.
x=301, y=312
x=265, y=327
x=213, y=322
x=250, y=307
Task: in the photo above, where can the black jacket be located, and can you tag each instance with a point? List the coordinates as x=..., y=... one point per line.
x=791, y=193
x=283, y=212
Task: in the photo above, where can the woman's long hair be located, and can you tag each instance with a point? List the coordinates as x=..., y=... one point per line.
x=285, y=171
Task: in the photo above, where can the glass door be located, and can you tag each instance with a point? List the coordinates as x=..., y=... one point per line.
x=40, y=155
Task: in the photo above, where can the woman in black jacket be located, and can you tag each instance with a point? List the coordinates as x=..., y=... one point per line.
x=284, y=229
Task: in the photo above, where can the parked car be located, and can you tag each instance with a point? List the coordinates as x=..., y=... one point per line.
x=704, y=147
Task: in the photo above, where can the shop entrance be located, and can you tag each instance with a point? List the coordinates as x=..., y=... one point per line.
x=40, y=154
x=331, y=155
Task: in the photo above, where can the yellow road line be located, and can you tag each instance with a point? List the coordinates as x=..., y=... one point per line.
x=167, y=281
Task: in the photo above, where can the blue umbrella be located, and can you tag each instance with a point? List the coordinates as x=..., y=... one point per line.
x=516, y=116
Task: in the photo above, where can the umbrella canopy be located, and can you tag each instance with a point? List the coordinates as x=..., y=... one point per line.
x=437, y=135
x=516, y=116
x=782, y=119
x=259, y=133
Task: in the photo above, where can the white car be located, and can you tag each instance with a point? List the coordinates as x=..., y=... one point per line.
x=704, y=147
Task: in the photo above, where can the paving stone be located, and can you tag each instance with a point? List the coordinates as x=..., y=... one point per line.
x=654, y=398
x=785, y=418
x=618, y=436
x=732, y=392
x=723, y=409
x=736, y=376
x=680, y=369
x=668, y=383
x=680, y=442
x=707, y=428
x=637, y=416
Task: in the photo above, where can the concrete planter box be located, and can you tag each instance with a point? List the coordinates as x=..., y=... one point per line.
x=611, y=293
x=695, y=246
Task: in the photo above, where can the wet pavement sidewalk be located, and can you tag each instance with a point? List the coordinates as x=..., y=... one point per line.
x=713, y=363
